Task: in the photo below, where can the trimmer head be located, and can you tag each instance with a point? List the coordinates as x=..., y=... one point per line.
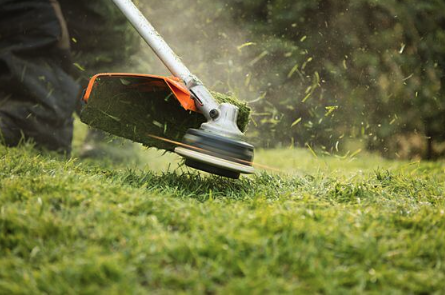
x=216, y=147
x=216, y=154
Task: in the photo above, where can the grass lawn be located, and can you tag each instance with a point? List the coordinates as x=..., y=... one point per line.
x=322, y=225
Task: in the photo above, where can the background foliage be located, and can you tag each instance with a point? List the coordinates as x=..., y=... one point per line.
x=321, y=72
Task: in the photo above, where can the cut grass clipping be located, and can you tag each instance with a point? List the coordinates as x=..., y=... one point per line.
x=68, y=227
x=121, y=109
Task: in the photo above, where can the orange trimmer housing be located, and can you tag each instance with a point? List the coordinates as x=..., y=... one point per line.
x=151, y=83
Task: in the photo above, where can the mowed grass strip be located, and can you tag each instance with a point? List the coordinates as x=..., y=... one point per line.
x=68, y=227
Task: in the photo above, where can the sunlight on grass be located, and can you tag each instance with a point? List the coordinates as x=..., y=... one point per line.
x=326, y=225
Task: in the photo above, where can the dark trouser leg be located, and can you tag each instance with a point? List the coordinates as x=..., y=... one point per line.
x=37, y=94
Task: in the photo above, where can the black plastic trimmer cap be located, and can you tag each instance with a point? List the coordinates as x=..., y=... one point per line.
x=216, y=154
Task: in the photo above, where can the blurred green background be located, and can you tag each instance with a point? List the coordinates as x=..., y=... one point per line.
x=320, y=74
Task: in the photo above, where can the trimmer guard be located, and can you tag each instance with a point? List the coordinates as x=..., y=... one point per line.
x=149, y=83
x=134, y=106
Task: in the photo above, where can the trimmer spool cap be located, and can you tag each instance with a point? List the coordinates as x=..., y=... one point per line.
x=216, y=154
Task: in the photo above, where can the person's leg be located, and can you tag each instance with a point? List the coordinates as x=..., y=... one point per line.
x=37, y=94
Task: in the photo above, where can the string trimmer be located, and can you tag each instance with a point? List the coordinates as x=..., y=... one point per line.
x=129, y=105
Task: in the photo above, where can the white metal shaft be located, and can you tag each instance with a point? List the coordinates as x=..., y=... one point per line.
x=221, y=120
x=155, y=41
